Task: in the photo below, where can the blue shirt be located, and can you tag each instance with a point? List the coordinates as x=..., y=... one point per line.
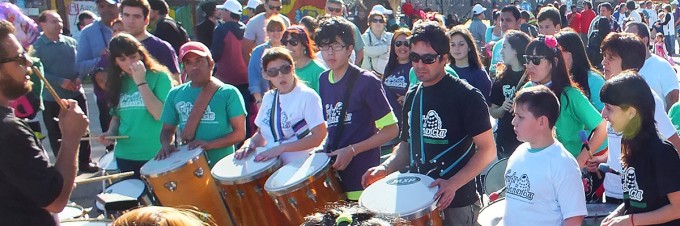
x=93, y=39
x=475, y=77
x=59, y=60
x=256, y=83
x=596, y=82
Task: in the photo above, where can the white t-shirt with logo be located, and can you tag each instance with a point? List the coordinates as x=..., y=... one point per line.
x=300, y=104
x=543, y=187
x=660, y=76
x=612, y=183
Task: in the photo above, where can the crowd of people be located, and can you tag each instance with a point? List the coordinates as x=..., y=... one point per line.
x=430, y=90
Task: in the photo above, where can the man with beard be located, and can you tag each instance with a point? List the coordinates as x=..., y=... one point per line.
x=30, y=187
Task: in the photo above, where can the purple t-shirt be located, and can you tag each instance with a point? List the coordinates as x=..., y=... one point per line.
x=163, y=52
x=396, y=84
x=367, y=105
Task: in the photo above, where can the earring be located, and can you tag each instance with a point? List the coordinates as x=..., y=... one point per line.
x=304, y=52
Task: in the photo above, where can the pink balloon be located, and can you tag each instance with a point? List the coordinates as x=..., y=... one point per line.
x=26, y=29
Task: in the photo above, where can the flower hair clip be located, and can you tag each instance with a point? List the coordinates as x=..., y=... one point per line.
x=549, y=41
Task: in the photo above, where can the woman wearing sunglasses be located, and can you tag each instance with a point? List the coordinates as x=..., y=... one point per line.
x=503, y=91
x=396, y=78
x=465, y=60
x=546, y=66
x=651, y=170
x=256, y=85
x=290, y=121
x=582, y=72
x=377, y=43
x=301, y=47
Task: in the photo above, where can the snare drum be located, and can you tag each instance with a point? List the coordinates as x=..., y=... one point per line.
x=492, y=214
x=183, y=179
x=91, y=222
x=108, y=162
x=304, y=186
x=133, y=188
x=242, y=182
x=495, y=177
x=71, y=212
x=597, y=212
x=406, y=196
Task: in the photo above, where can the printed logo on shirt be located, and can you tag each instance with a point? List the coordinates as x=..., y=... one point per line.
x=432, y=126
x=518, y=186
x=285, y=123
x=131, y=100
x=396, y=81
x=333, y=113
x=184, y=110
x=508, y=91
x=630, y=184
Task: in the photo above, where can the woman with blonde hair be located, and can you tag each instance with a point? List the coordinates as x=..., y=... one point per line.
x=258, y=86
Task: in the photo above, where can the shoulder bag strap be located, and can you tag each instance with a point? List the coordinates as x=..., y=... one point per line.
x=189, y=131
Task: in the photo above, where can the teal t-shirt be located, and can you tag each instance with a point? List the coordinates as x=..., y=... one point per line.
x=310, y=74
x=496, y=56
x=595, y=81
x=674, y=114
x=413, y=79
x=135, y=120
x=227, y=103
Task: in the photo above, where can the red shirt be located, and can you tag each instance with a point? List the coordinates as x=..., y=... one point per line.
x=574, y=19
x=587, y=16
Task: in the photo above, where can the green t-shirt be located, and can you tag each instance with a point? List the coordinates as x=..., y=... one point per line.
x=227, y=103
x=413, y=79
x=136, y=121
x=310, y=74
x=576, y=114
x=674, y=114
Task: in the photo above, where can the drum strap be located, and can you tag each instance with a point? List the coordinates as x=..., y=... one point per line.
x=300, y=128
x=207, y=93
x=345, y=106
x=416, y=122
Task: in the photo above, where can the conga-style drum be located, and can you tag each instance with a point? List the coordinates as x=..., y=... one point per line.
x=182, y=179
x=404, y=195
x=303, y=187
x=242, y=185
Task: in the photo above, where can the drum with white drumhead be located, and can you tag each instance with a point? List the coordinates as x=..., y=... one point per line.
x=108, y=162
x=133, y=188
x=495, y=177
x=404, y=195
x=71, y=212
x=492, y=214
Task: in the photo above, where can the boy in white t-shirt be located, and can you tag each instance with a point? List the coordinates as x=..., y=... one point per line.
x=543, y=180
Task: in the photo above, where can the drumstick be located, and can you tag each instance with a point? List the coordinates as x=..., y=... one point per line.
x=107, y=177
x=518, y=87
x=106, y=138
x=36, y=71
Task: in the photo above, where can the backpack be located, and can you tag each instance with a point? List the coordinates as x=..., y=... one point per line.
x=184, y=36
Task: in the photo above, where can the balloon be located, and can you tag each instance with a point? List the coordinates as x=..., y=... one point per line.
x=26, y=29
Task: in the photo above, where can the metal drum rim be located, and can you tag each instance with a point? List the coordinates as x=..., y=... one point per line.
x=489, y=170
x=279, y=191
x=412, y=215
x=275, y=165
x=174, y=169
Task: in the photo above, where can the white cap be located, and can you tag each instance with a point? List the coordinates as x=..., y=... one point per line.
x=478, y=9
x=253, y=4
x=381, y=9
x=232, y=6
x=674, y=2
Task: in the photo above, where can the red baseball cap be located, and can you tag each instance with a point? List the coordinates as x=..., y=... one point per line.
x=194, y=47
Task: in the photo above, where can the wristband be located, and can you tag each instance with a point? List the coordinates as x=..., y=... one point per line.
x=353, y=151
x=141, y=84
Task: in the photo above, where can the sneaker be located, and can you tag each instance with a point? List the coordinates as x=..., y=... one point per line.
x=89, y=168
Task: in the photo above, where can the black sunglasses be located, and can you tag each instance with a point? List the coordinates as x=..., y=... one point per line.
x=292, y=42
x=22, y=59
x=273, y=72
x=277, y=8
x=534, y=59
x=377, y=21
x=426, y=58
x=337, y=10
x=400, y=43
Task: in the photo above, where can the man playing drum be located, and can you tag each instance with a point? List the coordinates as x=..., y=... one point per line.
x=31, y=188
x=210, y=114
x=446, y=132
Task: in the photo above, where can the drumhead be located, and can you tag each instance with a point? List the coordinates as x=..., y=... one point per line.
x=176, y=160
x=495, y=177
x=600, y=209
x=131, y=188
x=296, y=172
x=93, y=222
x=230, y=170
x=492, y=214
x=404, y=195
x=71, y=212
x=108, y=162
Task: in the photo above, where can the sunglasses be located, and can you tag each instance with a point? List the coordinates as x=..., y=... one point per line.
x=273, y=72
x=292, y=42
x=336, y=10
x=22, y=59
x=534, y=59
x=377, y=21
x=400, y=43
x=426, y=58
x=277, y=8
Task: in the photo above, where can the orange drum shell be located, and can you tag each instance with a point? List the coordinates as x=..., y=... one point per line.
x=305, y=206
x=191, y=190
x=433, y=218
x=255, y=208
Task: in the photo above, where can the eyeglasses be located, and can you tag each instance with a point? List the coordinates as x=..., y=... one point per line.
x=273, y=72
x=277, y=8
x=336, y=47
x=274, y=30
x=292, y=42
x=534, y=59
x=426, y=58
x=336, y=10
x=377, y=21
x=22, y=59
x=400, y=43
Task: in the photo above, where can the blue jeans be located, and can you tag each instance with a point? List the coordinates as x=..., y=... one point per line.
x=670, y=44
